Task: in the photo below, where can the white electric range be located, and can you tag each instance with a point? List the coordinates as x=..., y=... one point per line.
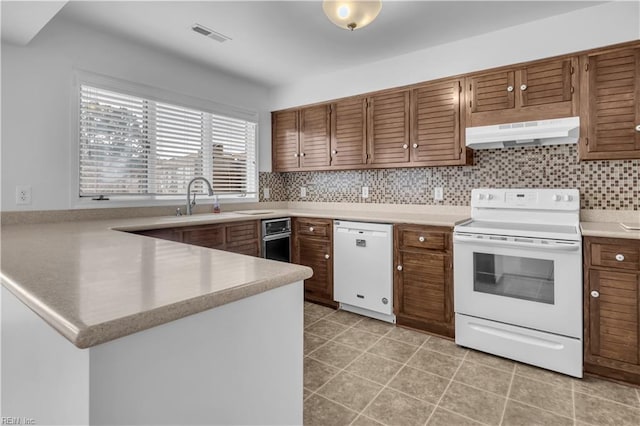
x=518, y=277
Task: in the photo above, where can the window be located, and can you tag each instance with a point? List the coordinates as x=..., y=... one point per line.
x=133, y=146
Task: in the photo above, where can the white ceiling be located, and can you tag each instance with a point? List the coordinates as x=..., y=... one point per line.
x=277, y=42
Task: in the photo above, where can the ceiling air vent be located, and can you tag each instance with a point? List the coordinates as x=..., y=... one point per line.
x=201, y=29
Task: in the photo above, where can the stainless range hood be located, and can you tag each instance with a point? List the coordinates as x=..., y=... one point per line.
x=530, y=133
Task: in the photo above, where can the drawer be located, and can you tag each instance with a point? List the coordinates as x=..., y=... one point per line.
x=424, y=239
x=615, y=256
x=320, y=228
x=243, y=231
x=206, y=236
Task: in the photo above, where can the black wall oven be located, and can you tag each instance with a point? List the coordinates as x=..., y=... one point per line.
x=276, y=239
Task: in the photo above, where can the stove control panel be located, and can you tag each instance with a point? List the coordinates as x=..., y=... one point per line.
x=534, y=199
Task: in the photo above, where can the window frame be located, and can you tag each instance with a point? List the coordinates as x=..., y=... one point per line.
x=81, y=77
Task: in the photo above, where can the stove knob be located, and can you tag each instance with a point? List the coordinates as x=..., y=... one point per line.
x=556, y=197
x=489, y=197
x=568, y=198
x=480, y=196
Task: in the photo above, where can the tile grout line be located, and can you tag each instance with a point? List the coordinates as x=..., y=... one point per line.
x=573, y=402
x=448, y=386
x=385, y=386
x=344, y=369
x=506, y=401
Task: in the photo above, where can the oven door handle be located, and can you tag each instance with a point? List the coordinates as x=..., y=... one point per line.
x=571, y=246
x=276, y=236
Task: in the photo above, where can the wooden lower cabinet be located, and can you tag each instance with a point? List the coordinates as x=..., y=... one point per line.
x=238, y=237
x=423, y=279
x=612, y=309
x=313, y=247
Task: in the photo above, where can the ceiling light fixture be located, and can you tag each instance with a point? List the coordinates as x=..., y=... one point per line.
x=351, y=15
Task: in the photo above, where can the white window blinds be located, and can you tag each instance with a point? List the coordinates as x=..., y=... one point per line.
x=131, y=146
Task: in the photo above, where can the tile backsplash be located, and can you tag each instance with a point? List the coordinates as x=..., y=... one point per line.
x=609, y=185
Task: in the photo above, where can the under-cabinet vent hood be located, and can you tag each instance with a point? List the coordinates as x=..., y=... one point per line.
x=530, y=133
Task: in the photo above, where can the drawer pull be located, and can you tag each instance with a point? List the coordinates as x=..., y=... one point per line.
x=311, y=229
x=509, y=88
x=334, y=152
x=619, y=257
x=399, y=268
x=421, y=239
x=638, y=128
x=415, y=145
x=595, y=294
x=326, y=256
x=405, y=146
x=523, y=87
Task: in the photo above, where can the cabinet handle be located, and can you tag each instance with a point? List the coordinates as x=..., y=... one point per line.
x=523, y=87
x=334, y=152
x=421, y=239
x=311, y=229
x=415, y=145
x=302, y=154
x=595, y=294
x=509, y=88
x=405, y=146
x=326, y=256
x=295, y=154
x=619, y=257
x=399, y=268
x=638, y=128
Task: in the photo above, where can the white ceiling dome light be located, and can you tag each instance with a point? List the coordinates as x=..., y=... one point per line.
x=351, y=15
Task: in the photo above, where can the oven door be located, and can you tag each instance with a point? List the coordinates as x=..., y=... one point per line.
x=528, y=282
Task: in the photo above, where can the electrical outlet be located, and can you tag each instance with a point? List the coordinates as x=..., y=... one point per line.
x=303, y=191
x=265, y=193
x=365, y=192
x=438, y=193
x=23, y=194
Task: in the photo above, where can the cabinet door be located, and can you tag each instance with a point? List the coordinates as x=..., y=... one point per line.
x=613, y=316
x=243, y=238
x=436, y=123
x=315, y=128
x=492, y=92
x=284, y=128
x=348, y=132
x=317, y=255
x=423, y=293
x=211, y=236
x=388, y=128
x=611, y=105
x=546, y=83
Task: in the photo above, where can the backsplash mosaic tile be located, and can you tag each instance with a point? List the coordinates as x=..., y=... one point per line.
x=610, y=185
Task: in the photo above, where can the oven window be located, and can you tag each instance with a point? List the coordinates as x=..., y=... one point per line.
x=511, y=276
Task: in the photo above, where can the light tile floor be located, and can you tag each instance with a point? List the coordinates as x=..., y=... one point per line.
x=360, y=371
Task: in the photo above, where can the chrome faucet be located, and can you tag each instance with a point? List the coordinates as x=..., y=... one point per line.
x=190, y=203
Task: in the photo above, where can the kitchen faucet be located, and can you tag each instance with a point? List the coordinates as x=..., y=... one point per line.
x=189, y=202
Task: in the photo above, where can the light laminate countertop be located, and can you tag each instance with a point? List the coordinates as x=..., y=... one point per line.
x=608, y=230
x=93, y=283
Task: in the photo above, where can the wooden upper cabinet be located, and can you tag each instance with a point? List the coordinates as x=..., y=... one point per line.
x=545, y=83
x=349, y=132
x=610, y=105
x=539, y=91
x=492, y=92
x=435, y=123
x=315, y=128
x=388, y=128
x=285, y=140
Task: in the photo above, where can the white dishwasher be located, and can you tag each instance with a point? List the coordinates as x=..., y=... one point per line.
x=363, y=268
